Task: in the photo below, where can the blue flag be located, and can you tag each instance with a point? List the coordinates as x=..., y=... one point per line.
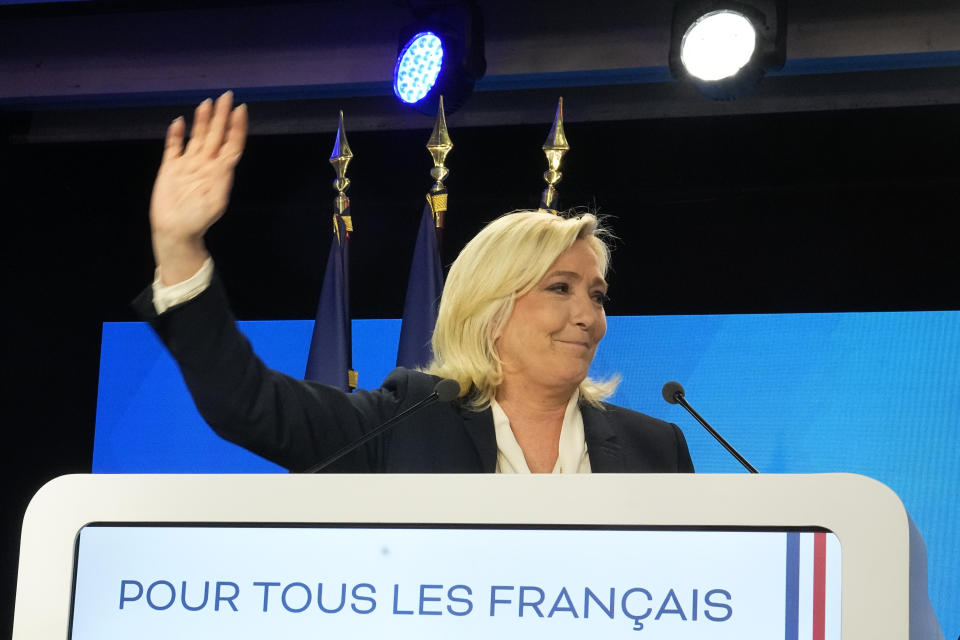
x=423, y=293
x=330, y=355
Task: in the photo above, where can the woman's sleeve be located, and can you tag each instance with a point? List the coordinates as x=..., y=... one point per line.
x=684, y=462
x=291, y=422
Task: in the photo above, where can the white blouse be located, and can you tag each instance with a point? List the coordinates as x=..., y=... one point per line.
x=573, y=444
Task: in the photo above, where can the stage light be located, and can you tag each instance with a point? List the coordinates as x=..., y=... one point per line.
x=418, y=66
x=726, y=47
x=718, y=45
x=440, y=53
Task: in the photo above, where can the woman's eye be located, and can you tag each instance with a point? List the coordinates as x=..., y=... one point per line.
x=601, y=298
x=560, y=287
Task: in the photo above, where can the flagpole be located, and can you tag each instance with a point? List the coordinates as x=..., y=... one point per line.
x=340, y=158
x=331, y=348
x=425, y=284
x=554, y=148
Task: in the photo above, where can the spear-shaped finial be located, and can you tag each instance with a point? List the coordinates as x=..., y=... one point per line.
x=340, y=157
x=439, y=145
x=554, y=148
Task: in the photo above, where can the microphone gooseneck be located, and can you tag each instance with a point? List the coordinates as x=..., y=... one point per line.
x=674, y=394
x=444, y=391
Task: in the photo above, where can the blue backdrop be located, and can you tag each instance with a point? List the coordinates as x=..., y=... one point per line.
x=870, y=393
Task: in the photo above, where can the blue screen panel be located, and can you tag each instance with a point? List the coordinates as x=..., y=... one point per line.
x=870, y=393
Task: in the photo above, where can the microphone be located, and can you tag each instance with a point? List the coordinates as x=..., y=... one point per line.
x=674, y=394
x=444, y=391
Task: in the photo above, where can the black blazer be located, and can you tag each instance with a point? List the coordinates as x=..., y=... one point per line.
x=296, y=423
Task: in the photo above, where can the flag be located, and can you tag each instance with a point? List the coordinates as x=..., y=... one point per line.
x=423, y=289
x=329, y=360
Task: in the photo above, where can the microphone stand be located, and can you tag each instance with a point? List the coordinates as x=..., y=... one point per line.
x=323, y=464
x=675, y=395
x=445, y=390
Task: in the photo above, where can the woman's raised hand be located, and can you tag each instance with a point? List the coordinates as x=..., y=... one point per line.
x=193, y=185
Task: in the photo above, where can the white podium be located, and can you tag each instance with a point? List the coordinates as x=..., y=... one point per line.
x=435, y=556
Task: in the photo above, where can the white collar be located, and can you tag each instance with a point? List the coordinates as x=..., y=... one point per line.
x=572, y=456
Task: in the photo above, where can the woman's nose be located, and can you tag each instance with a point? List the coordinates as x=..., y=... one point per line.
x=583, y=313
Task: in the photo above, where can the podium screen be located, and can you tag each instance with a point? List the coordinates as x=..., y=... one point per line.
x=464, y=582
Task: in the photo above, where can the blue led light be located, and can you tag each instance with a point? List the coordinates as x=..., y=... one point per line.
x=417, y=67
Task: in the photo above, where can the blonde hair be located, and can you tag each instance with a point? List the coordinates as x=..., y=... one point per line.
x=503, y=262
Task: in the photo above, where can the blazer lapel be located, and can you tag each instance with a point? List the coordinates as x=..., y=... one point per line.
x=603, y=448
x=479, y=426
x=606, y=455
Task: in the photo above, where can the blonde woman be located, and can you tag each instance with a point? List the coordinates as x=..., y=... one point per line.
x=519, y=323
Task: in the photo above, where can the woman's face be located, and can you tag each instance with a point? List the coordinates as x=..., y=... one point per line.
x=552, y=334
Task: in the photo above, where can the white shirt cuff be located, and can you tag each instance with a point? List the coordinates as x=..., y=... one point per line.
x=165, y=297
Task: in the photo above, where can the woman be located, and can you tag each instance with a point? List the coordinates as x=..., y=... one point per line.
x=518, y=326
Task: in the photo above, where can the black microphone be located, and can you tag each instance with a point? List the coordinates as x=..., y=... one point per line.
x=444, y=391
x=674, y=394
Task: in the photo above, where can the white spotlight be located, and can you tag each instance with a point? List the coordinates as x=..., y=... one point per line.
x=725, y=47
x=717, y=45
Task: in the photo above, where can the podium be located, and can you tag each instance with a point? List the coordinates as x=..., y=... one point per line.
x=471, y=556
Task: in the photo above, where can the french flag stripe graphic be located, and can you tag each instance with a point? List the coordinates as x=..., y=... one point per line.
x=809, y=581
x=819, y=584
x=791, y=626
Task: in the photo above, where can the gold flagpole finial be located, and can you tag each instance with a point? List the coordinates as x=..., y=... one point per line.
x=439, y=145
x=340, y=157
x=554, y=148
